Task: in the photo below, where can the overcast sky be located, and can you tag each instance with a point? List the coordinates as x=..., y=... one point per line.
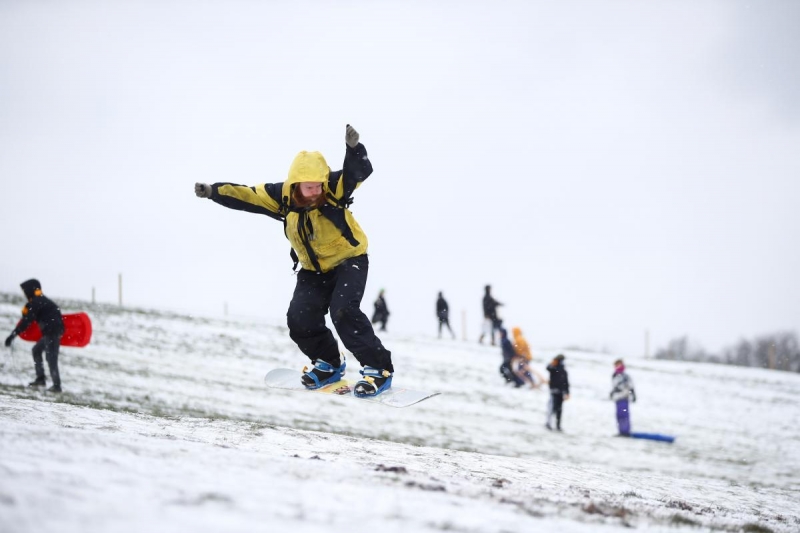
x=609, y=167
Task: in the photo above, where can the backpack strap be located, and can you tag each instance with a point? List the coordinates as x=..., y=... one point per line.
x=306, y=232
x=336, y=215
x=284, y=209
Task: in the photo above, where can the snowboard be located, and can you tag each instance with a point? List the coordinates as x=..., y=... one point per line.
x=287, y=379
x=77, y=330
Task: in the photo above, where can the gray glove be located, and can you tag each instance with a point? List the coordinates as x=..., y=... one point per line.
x=351, y=136
x=203, y=190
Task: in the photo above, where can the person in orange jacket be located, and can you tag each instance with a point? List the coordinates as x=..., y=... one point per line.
x=520, y=365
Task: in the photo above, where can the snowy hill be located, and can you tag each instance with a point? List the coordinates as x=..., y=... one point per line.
x=165, y=425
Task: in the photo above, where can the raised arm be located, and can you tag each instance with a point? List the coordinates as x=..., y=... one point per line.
x=357, y=166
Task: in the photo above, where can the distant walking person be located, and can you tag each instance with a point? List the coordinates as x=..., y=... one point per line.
x=443, y=314
x=491, y=322
x=45, y=312
x=559, y=390
x=509, y=355
x=381, y=314
x=621, y=392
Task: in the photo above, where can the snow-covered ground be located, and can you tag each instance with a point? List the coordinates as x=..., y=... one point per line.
x=165, y=425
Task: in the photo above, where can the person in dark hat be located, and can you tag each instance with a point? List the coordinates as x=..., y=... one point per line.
x=45, y=312
x=559, y=390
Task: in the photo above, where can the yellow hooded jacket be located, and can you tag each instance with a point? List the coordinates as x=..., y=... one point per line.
x=323, y=237
x=521, y=345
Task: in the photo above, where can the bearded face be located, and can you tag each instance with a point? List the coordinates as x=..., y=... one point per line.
x=308, y=194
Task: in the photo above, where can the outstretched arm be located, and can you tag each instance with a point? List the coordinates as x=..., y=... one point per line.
x=262, y=199
x=27, y=318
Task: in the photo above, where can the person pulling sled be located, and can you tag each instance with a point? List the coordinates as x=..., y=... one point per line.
x=46, y=313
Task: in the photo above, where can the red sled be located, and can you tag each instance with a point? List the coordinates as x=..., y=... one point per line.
x=77, y=331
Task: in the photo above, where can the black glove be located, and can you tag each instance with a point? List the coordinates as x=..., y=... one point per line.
x=9, y=340
x=633, y=395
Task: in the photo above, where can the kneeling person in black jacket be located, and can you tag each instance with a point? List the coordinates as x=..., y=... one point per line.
x=45, y=312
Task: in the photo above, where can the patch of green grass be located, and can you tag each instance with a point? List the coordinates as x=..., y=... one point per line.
x=756, y=528
x=680, y=520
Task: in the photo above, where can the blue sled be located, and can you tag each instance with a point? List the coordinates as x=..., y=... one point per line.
x=653, y=436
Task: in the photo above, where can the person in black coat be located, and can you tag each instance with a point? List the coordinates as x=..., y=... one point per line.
x=509, y=353
x=45, y=312
x=443, y=314
x=381, y=314
x=559, y=390
x=491, y=322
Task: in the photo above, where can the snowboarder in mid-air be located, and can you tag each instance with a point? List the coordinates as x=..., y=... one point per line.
x=622, y=391
x=45, y=312
x=331, y=248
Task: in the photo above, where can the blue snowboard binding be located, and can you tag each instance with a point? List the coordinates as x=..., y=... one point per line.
x=322, y=374
x=373, y=383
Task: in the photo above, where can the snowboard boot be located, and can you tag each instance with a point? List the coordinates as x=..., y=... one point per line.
x=55, y=388
x=38, y=382
x=373, y=383
x=322, y=373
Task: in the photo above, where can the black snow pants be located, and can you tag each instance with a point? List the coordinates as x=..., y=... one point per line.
x=49, y=344
x=554, y=407
x=339, y=291
x=444, y=321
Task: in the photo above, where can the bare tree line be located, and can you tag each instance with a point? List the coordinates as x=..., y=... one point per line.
x=778, y=351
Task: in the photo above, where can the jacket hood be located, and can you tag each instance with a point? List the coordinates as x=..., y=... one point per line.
x=517, y=332
x=30, y=287
x=308, y=167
